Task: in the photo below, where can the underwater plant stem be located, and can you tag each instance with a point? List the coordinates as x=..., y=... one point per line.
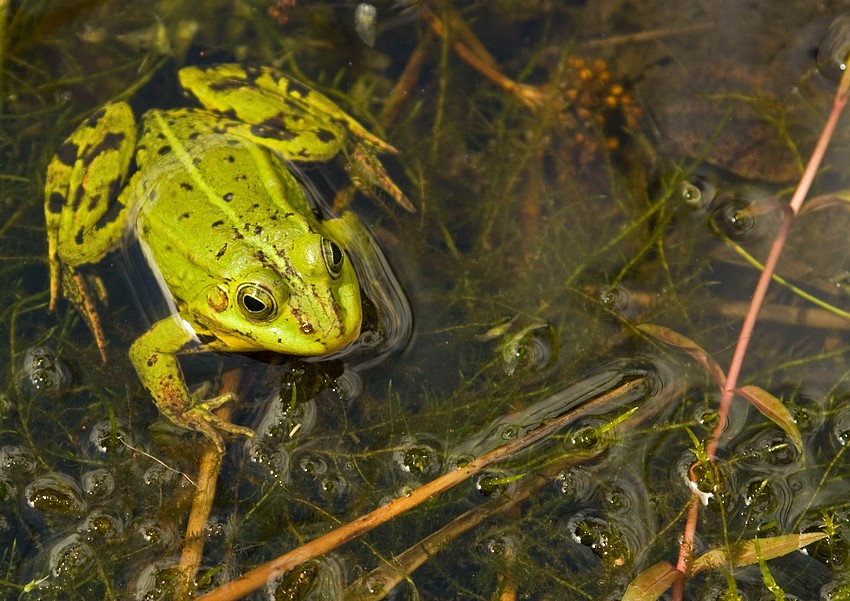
x=259, y=576
x=208, y=472
x=687, y=545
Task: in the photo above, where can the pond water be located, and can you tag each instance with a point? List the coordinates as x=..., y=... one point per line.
x=579, y=171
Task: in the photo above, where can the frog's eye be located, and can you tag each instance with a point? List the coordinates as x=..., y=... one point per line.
x=334, y=257
x=256, y=302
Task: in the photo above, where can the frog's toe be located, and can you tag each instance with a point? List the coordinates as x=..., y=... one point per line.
x=229, y=427
x=200, y=419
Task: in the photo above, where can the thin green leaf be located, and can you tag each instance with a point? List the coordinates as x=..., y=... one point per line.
x=673, y=338
x=745, y=554
x=652, y=582
x=767, y=577
x=773, y=409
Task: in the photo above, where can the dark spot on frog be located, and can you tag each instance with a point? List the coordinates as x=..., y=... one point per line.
x=217, y=223
x=258, y=229
x=273, y=127
x=78, y=237
x=152, y=360
x=193, y=135
x=163, y=150
x=67, y=153
x=186, y=186
x=306, y=328
x=240, y=177
x=78, y=198
x=111, y=214
x=185, y=215
x=196, y=161
x=160, y=135
x=96, y=117
x=230, y=158
x=224, y=85
x=55, y=203
x=228, y=197
x=111, y=141
x=237, y=235
x=260, y=256
x=93, y=202
x=325, y=135
x=221, y=251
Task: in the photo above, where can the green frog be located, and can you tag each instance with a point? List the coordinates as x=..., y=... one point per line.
x=222, y=220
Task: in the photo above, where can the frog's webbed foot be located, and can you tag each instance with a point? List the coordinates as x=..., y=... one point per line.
x=368, y=173
x=200, y=418
x=86, y=292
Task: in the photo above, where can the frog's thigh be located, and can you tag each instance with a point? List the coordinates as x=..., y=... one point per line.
x=284, y=114
x=85, y=215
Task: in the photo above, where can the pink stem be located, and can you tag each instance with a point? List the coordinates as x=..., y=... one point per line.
x=686, y=548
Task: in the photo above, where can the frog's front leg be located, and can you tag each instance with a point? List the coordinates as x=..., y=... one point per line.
x=154, y=356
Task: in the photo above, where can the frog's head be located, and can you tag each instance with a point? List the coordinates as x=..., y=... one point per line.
x=305, y=303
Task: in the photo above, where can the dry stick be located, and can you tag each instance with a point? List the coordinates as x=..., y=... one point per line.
x=257, y=577
x=208, y=471
x=530, y=96
x=687, y=546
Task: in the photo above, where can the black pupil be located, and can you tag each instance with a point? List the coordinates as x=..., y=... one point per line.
x=253, y=304
x=336, y=254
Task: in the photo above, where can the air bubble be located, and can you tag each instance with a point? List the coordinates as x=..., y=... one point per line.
x=416, y=457
x=70, y=557
x=55, y=493
x=42, y=373
x=529, y=351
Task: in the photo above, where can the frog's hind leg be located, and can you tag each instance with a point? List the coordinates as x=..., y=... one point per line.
x=289, y=118
x=84, y=213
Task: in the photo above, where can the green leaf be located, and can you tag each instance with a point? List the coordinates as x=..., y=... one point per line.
x=652, y=582
x=773, y=409
x=745, y=554
x=673, y=338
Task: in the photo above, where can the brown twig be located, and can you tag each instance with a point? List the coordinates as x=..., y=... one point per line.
x=208, y=472
x=530, y=96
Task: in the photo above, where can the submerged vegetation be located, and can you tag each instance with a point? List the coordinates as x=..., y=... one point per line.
x=595, y=194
